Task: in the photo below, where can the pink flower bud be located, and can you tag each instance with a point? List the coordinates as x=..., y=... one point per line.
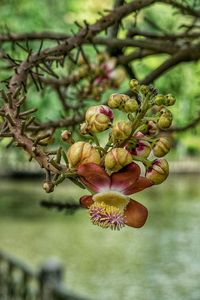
x=98, y=118
x=158, y=172
x=82, y=153
x=141, y=149
x=152, y=128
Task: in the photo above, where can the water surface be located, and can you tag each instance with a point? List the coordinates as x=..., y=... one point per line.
x=160, y=261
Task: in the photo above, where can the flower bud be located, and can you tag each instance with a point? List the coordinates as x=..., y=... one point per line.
x=144, y=89
x=82, y=153
x=158, y=172
x=121, y=131
x=165, y=119
x=84, y=128
x=116, y=159
x=83, y=71
x=169, y=100
x=48, y=186
x=162, y=147
x=115, y=100
x=118, y=76
x=134, y=85
x=131, y=105
x=102, y=57
x=98, y=118
x=159, y=99
x=66, y=136
x=142, y=149
x=152, y=128
x=139, y=135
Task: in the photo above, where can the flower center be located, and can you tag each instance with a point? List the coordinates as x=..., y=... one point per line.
x=106, y=216
x=112, y=198
x=107, y=210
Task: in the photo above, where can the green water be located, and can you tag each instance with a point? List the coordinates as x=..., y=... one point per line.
x=160, y=261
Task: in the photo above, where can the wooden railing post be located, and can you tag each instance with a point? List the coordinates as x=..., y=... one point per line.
x=50, y=276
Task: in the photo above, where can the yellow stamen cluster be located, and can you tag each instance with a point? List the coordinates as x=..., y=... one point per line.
x=106, y=216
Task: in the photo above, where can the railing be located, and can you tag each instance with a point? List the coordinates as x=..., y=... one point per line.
x=19, y=282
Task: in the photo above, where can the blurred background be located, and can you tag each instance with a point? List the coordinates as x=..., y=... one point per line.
x=159, y=261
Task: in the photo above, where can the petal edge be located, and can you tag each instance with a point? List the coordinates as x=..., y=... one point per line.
x=135, y=214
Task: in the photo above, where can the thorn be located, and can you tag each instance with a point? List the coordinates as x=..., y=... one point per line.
x=29, y=121
x=28, y=112
x=10, y=120
x=55, y=164
x=84, y=56
x=58, y=156
x=41, y=137
x=10, y=143
x=100, y=13
x=64, y=156
x=4, y=96
x=17, y=91
x=22, y=47
x=24, y=86
x=21, y=101
x=29, y=55
x=6, y=134
x=34, y=81
x=78, y=25
x=40, y=48
x=17, y=111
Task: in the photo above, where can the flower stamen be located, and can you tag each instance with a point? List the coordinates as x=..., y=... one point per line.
x=106, y=216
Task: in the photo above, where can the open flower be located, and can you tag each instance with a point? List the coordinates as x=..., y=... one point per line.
x=110, y=206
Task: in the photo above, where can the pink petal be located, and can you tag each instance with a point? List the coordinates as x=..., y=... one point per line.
x=140, y=185
x=124, y=180
x=135, y=214
x=86, y=201
x=94, y=177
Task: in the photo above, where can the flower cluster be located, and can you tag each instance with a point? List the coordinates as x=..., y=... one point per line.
x=129, y=161
x=101, y=75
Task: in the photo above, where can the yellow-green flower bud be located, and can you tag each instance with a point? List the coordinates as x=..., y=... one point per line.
x=144, y=89
x=158, y=172
x=121, y=131
x=159, y=99
x=131, y=105
x=134, y=85
x=83, y=71
x=82, y=153
x=116, y=159
x=162, y=147
x=165, y=119
x=98, y=118
x=115, y=100
x=169, y=100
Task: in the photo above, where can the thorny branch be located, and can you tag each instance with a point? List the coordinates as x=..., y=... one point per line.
x=20, y=124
